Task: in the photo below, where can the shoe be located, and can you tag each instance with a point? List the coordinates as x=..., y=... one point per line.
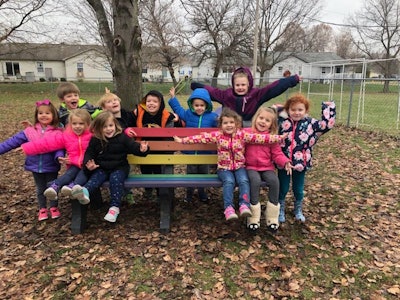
x=253, y=222
x=282, y=218
x=43, y=214
x=272, y=217
x=54, y=212
x=230, y=213
x=245, y=211
x=51, y=192
x=81, y=194
x=298, y=215
x=66, y=190
x=188, y=200
x=112, y=214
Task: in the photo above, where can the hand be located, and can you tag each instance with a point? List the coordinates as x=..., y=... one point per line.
x=288, y=168
x=91, y=165
x=18, y=150
x=172, y=92
x=144, y=146
x=130, y=132
x=64, y=160
x=26, y=123
x=274, y=138
x=176, y=117
x=177, y=139
x=107, y=90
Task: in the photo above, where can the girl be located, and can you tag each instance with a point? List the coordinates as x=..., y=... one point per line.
x=260, y=164
x=231, y=142
x=106, y=159
x=44, y=167
x=75, y=140
x=304, y=132
x=243, y=97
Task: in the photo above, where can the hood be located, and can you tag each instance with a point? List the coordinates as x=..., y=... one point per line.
x=249, y=75
x=202, y=94
x=158, y=95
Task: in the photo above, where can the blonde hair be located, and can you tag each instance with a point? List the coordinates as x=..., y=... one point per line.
x=240, y=74
x=106, y=97
x=229, y=113
x=65, y=88
x=274, y=124
x=98, y=124
x=80, y=113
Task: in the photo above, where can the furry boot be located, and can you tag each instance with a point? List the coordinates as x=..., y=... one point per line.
x=298, y=213
x=272, y=216
x=253, y=222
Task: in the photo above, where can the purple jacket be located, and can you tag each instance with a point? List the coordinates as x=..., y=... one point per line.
x=247, y=105
x=42, y=163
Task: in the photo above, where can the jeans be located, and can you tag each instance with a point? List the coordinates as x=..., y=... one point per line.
x=298, y=179
x=229, y=180
x=72, y=174
x=116, y=179
x=41, y=181
x=270, y=179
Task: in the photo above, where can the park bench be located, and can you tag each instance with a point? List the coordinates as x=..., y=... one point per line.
x=160, y=139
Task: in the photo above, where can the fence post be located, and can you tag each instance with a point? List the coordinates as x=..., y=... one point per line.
x=351, y=99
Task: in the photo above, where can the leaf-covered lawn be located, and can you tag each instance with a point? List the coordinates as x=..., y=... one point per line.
x=349, y=247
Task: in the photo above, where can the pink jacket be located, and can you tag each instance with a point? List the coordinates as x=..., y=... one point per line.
x=263, y=157
x=230, y=148
x=75, y=145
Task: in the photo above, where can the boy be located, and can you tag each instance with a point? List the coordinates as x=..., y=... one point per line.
x=111, y=102
x=242, y=97
x=68, y=94
x=151, y=112
x=199, y=114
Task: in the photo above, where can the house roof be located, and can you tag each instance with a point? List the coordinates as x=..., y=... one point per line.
x=310, y=57
x=45, y=52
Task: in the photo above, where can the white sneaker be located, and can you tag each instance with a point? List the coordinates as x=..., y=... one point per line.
x=112, y=214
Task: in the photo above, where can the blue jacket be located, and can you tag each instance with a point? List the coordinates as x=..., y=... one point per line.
x=42, y=163
x=206, y=120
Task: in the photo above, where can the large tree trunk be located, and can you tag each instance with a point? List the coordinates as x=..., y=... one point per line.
x=124, y=45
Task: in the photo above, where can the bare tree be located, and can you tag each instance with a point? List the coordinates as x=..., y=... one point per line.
x=16, y=15
x=344, y=45
x=377, y=33
x=220, y=30
x=122, y=38
x=162, y=34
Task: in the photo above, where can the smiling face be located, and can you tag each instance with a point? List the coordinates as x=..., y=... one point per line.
x=44, y=115
x=71, y=100
x=78, y=125
x=109, y=128
x=228, y=125
x=241, y=85
x=153, y=104
x=297, y=111
x=264, y=121
x=113, y=105
x=199, y=106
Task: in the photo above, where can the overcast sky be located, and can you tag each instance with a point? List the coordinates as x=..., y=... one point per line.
x=338, y=11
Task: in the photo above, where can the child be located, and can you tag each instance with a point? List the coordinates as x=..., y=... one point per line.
x=199, y=114
x=231, y=142
x=68, y=94
x=106, y=159
x=151, y=112
x=75, y=139
x=111, y=102
x=243, y=97
x=260, y=164
x=304, y=132
x=44, y=167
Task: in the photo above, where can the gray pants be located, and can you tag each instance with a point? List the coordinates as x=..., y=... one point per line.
x=272, y=182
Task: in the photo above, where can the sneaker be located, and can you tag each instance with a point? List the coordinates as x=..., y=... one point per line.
x=188, y=200
x=43, y=214
x=245, y=211
x=230, y=213
x=298, y=215
x=66, y=190
x=81, y=194
x=51, y=192
x=112, y=214
x=282, y=218
x=54, y=212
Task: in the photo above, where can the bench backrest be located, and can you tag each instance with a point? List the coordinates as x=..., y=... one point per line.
x=162, y=140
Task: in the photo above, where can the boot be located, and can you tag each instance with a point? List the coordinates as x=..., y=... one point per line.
x=298, y=213
x=253, y=222
x=282, y=218
x=272, y=216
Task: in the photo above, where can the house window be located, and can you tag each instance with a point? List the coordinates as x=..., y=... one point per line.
x=12, y=68
x=39, y=66
x=280, y=68
x=323, y=70
x=144, y=70
x=79, y=67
